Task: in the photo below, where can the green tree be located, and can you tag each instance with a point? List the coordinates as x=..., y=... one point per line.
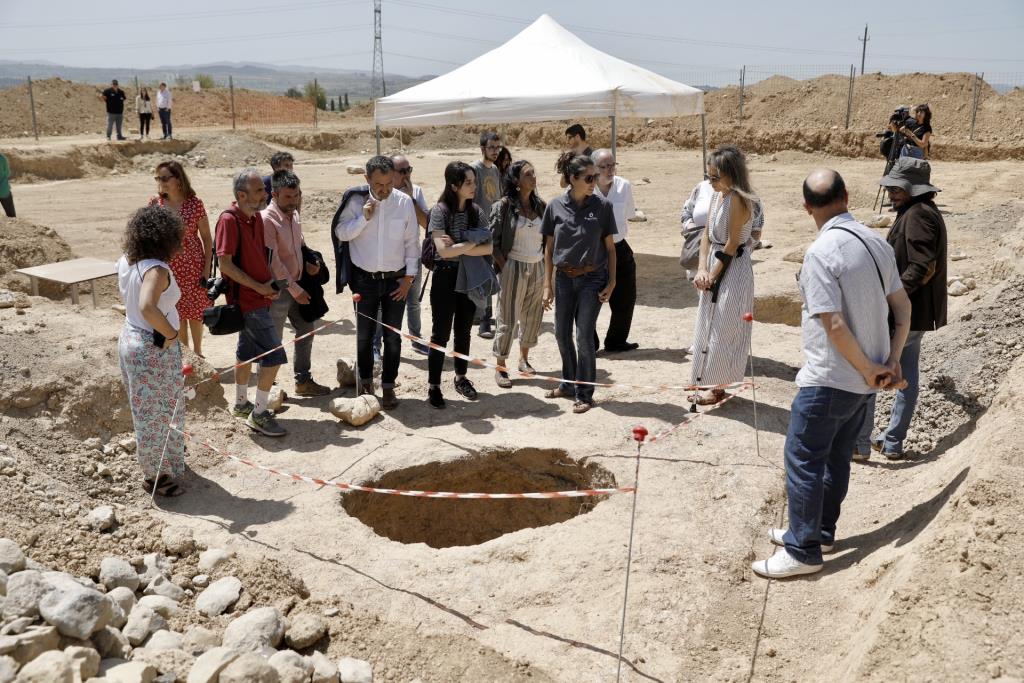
x=294, y=93
x=206, y=81
x=314, y=90
x=332, y=104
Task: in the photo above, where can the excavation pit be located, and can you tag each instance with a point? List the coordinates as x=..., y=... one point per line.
x=444, y=523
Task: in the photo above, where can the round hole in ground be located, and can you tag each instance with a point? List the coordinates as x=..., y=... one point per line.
x=443, y=523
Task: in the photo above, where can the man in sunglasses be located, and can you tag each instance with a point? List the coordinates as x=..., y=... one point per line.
x=618, y=192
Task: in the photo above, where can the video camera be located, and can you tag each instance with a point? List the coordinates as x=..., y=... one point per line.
x=901, y=118
x=892, y=141
x=214, y=286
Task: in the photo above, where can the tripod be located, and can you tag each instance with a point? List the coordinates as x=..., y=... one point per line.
x=898, y=141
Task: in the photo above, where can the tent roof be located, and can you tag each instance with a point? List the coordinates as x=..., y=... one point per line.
x=544, y=73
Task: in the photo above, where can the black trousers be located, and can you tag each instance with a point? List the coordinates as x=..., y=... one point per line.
x=375, y=299
x=623, y=299
x=8, y=204
x=449, y=308
x=165, y=122
x=144, y=120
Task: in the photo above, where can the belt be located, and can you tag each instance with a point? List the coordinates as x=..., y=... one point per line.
x=576, y=271
x=383, y=274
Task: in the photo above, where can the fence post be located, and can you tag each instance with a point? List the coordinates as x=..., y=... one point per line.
x=32, y=106
x=743, y=78
x=976, y=95
x=136, y=85
x=316, y=98
x=849, y=96
x=231, y=87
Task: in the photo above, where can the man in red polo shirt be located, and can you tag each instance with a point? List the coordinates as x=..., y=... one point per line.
x=240, y=228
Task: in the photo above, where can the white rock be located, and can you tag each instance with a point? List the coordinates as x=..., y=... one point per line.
x=125, y=599
x=163, y=586
x=356, y=411
x=354, y=670
x=255, y=630
x=127, y=443
x=304, y=629
x=331, y=612
x=165, y=640
x=11, y=558
x=85, y=662
x=102, y=518
x=130, y=672
x=957, y=288
x=209, y=665
x=276, y=398
x=24, y=591
x=172, y=664
x=199, y=640
x=141, y=622
x=8, y=669
x=346, y=373
x=291, y=667
x=324, y=670
x=76, y=612
x=16, y=626
x=249, y=668
x=111, y=643
x=213, y=558
x=177, y=540
x=638, y=217
x=219, y=597
x=154, y=565
x=201, y=580
x=959, y=256
x=50, y=667
x=3, y=583
x=355, y=170
x=32, y=642
x=970, y=282
x=117, y=571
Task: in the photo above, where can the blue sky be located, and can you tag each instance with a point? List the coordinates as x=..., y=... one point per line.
x=677, y=38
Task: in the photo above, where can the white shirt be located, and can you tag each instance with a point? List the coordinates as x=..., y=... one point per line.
x=620, y=196
x=163, y=98
x=528, y=245
x=129, y=281
x=419, y=198
x=389, y=241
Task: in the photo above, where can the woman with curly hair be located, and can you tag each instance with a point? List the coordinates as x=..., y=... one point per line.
x=191, y=267
x=148, y=348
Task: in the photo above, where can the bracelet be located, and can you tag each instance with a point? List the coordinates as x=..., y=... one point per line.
x=173, y=338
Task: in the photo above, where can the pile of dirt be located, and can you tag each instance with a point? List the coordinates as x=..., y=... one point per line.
x=81, y=161
x=320, y=141
x=24, y=244
x=233, y=151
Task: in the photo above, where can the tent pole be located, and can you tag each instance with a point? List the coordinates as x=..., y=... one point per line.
x=378, y=140
x=704, y=143
x=614, y=135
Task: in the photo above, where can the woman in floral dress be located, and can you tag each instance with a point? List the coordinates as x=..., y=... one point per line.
x=192, y=264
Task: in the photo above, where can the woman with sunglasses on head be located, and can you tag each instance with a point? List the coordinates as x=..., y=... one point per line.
x=191, y=266
x=725, y=278
x=579, y=227
x=519, y=258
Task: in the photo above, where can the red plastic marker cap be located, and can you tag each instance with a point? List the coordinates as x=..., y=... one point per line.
x=186, y=369
x=749, y=317
x=639, y=433
x=357, y=297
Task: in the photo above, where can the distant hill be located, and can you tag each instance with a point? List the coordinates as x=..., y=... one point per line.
x=255, y=76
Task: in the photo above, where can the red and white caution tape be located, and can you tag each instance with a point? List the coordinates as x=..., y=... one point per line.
x=582, y=493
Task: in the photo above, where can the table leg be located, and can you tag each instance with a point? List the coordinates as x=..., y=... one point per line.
x=74, y=293
x=34, y=281
x=92, y=285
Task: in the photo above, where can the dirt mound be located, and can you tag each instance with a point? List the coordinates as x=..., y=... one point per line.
x=234, y=150
x=320, y=141
x=24, y=244
x=82, y=161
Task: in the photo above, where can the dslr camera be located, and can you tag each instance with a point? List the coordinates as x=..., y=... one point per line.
x=214, y=286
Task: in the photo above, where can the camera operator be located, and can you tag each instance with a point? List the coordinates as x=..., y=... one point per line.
x=913, y=132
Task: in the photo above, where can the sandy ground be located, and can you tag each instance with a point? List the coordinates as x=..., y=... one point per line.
x=544, y=603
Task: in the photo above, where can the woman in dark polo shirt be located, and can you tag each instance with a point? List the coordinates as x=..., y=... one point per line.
x=582, y=251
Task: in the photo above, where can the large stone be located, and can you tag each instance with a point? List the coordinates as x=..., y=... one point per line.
x=66, y=581
x=354, y=671
x=26, y=646
x=291, y=667
x=178, y=540
x=124, y=598
x=116, y=572
x=11, y=558
x=8, y=669
x=209, y=665
x=355, y=411
x=102, y=518
x=174, y=662
x=346, y=373
x=111, y=643
x=85, y=662
x=50, y=667
x=249, y=668
x=213, y=558
x=305, y=629
x=3, y=583
x=221, y=595
x=154, y=565
x=198, y=640
x=276, y=398
x=258, y=629
x=165, y=587
x=24, y=591
x=16, y=626
x=141, y=623
x=165, y=607
x=76, y=612
x=129, y=672
x=165, y=640
x=324, y=670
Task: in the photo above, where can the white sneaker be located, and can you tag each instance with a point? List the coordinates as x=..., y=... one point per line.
x=782, y=565
x=775, y=536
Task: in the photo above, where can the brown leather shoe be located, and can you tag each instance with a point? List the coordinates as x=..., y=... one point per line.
x=311, y=388
x=389, y=400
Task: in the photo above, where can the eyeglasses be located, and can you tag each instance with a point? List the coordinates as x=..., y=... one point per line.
x=589, y=178
x=607, y=166
x=163, y=178
x=404, y=171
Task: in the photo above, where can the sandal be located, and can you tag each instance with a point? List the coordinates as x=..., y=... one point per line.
x=165, y=486
x=556, y=393
x=708, y=398
x=580, y=407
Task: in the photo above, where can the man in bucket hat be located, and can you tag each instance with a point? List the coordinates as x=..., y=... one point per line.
x=919, y=239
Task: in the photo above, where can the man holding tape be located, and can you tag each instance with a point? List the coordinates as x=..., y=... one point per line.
x=240, y=230
x=849, y=283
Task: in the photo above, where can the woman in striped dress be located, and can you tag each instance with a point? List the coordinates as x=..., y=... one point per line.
x=721, y=337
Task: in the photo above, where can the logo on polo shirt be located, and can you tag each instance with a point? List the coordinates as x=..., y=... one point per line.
x=591, y=216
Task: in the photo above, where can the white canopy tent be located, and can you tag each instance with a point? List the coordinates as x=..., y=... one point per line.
x=544, y=73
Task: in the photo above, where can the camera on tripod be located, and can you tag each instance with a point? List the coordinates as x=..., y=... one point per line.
x=214, y=286
x=891, y=141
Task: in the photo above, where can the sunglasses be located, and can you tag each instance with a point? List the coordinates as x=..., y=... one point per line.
x=588, y=178
x=404, y=171
x=163, y=178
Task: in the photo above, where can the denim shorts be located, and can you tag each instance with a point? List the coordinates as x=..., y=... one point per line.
x=259, y=336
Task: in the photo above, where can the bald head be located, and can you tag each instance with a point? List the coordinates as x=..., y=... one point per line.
x=825, y=195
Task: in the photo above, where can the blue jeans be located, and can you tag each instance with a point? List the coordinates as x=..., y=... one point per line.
x=284, y=307
x=576, y=304
x=891, y=438
x=112, y=121
x=375, y=299
x=823, y=426
x=165, y=122
x=412, y=312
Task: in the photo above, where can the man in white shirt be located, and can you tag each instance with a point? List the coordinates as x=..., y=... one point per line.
x=619, y=193
x=164, y=101
x=384, y=246
x=849, y=283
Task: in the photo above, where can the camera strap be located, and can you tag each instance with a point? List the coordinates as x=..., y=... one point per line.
x=237, y=254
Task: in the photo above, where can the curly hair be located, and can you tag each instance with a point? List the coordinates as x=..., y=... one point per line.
x=152, y=233
x=176, y=170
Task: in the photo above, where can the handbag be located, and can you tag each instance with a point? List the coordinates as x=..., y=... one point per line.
x=689, y=255
x=227, y=318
